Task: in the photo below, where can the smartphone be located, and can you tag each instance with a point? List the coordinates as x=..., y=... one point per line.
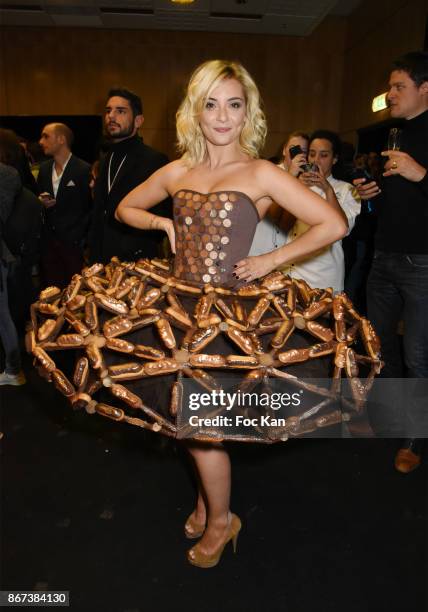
x=309, y=167
x=359, y=173
x=295, y=150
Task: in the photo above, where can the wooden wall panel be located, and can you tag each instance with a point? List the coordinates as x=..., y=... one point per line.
x=378, y=32
x=325, y=80
x=3, y=95
x=69, y=71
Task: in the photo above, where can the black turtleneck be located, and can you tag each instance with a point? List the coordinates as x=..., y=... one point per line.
x=403, y=206
x=118, y=150
x=124, y=146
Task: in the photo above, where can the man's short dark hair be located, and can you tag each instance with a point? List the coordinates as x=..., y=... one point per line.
x=415, y=64
x=332, y=137
x=134, y=100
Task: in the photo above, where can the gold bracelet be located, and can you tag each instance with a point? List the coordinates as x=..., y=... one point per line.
x=153, y=219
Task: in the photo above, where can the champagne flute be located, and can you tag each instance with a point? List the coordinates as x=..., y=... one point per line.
x=394, y=139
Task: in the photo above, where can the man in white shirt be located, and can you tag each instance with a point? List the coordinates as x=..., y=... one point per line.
x=63, y=184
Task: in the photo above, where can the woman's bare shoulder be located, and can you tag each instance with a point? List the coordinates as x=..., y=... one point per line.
x=175, y=169
x=171, y=173
x=266, y=171
x=264, y=166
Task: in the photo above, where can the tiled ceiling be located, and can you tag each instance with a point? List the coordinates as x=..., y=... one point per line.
x=287, y=17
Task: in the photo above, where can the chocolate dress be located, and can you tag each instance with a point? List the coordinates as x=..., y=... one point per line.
x=150, y=336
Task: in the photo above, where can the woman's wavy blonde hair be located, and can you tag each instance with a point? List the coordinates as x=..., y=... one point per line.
x=190, y=139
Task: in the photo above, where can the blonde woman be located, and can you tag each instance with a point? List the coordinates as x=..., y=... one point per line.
x=221, y=129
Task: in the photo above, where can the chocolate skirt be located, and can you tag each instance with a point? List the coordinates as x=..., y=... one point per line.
x=166, y=355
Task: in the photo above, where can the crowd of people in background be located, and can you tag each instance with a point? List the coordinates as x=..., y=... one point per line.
x=57, y=211
x=76, y=201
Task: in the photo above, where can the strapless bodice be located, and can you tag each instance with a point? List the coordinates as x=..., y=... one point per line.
x=212, y=231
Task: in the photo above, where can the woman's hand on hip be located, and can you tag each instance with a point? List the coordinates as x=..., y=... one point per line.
x=250, y=268
x=168, y=227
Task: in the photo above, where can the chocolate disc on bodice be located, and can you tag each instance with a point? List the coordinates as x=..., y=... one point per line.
x=213, y=232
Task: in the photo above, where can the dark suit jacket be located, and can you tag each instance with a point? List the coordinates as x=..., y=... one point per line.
x=23, y=228
x=107, y=236
x=68, y=220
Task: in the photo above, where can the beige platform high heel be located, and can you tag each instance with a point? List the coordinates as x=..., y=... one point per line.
x=197, y=557
x=192, y=529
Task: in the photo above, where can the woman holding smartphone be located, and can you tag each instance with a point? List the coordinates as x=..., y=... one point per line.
x=324, y=267
x=295, y=152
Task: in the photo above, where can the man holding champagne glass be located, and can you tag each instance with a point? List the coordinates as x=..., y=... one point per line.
x=397, y=287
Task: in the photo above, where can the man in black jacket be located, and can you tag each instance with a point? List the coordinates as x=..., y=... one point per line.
x=128, y=163
x=398, y=283
x=10, y=185
x=63, y=183
x=23, y=229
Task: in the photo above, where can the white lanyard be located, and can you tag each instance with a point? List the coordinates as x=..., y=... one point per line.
x=110, y=182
